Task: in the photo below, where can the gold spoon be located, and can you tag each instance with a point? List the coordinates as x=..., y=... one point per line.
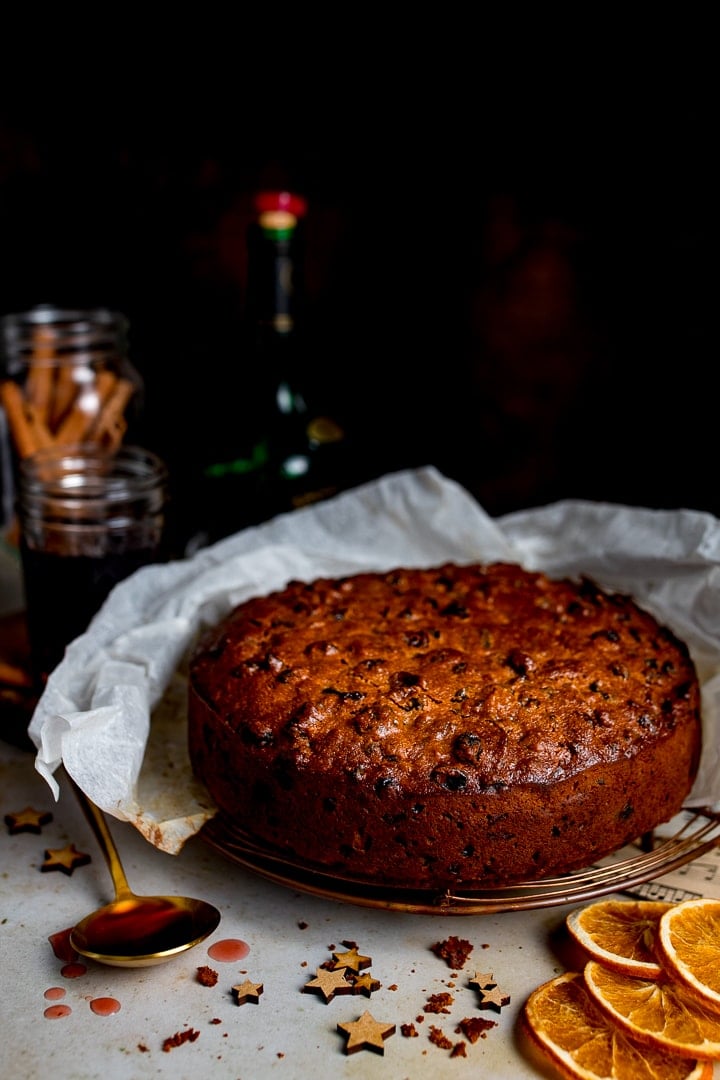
x=136, y=931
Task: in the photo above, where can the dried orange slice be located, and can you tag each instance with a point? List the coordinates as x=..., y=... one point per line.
x=659, y=1012
x=689, y=947
x=620, y=933
x=578, y=1040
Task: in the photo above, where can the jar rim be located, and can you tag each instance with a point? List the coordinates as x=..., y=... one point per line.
x=81, y=471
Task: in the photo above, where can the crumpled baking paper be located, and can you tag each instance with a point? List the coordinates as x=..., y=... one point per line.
x=114, y=714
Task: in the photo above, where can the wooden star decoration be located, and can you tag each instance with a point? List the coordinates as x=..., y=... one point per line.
x=365, y=984
x=27, y=820
x=329, y=983
x=366, y=1033
x=494, y=999
x=65, y=859
x=351, y=959
x=248, y=991
x=482, y=980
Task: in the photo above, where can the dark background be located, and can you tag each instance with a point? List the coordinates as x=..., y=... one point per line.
x=510, y=262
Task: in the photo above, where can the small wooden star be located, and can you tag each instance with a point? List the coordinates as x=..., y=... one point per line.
x=65, y=859
x=494, y=999
x=366, y=1033
x=482, y=980
x=27, y=820
x=329, y=983
x=351, y=959
x=365, y=984
x=247, y=991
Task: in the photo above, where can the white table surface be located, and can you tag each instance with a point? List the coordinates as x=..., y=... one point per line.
x=288, y=1033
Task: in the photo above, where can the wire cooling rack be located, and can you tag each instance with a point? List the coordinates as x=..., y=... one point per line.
x=691, y=834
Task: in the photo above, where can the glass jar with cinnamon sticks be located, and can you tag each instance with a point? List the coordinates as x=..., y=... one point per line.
x=65, y=378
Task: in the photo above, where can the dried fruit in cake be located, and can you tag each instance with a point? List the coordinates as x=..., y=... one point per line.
x=689, y=947
x=620, y=933
x=442, y=728
x=580, y=1042
x=658, y=1012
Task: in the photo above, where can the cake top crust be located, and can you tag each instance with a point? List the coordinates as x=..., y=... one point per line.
x=483, y=675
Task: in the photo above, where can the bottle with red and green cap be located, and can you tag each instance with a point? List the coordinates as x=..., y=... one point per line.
x=287, y=451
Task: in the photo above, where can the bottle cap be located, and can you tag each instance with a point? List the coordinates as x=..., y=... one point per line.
x=267, y=201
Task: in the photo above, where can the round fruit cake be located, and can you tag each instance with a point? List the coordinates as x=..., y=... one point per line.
x=428, y=728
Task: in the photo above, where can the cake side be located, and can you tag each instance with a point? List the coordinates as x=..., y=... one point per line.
x=458, y=725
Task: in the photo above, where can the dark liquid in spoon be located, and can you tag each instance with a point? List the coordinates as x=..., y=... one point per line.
x=139, y=928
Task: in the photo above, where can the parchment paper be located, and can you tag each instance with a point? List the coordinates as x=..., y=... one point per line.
x=113, y=711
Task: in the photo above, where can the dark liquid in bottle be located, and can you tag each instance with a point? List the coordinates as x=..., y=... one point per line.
x=63, y=592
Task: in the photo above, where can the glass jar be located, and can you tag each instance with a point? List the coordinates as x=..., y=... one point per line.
x=88, y=519
x=65, y=378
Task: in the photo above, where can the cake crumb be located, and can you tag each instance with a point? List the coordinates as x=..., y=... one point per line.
x=180, y=1037
x=206, y=976
x=458, y=1050
x=475, y=1027
x=409, y=1031
x=437, y=1038
x=438, y=1003
x=453, y=950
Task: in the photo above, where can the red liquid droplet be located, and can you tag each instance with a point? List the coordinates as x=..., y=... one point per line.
x=72, y=971
x=61, y=945
x=229, y=950
x=54, y=992
x=56, y=1012
x=105, y=1006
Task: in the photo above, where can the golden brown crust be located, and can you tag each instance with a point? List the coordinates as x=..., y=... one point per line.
x=463, y=724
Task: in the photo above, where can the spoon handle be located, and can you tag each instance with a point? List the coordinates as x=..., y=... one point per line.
x=99, y=826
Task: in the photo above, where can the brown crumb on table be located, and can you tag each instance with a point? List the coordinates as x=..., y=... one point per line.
x=438, y=1039
x=453, y=950
x=458, y=1050
x=180, y=1037
x=393, y=986
x=215, y=1020
x=143, y=1048
x=206, y=976
x=475, y=1027
x=438, y=1003
x=302, y=925
x=409, y=1031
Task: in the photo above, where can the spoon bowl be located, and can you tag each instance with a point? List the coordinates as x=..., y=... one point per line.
x=136, y=931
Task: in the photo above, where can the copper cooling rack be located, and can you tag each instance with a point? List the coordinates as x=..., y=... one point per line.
x=690, y=835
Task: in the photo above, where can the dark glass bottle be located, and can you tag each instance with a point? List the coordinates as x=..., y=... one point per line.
x=284, y=451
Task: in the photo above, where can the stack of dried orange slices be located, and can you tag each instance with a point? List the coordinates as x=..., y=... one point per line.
x=646, y=1005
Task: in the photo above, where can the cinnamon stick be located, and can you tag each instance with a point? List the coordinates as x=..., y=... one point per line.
x=80, y=421
x=28, y=430
x=66, y=388
x=110, y=424
x=39, y=385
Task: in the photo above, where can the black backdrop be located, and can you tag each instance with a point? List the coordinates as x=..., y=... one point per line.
x=510, y=278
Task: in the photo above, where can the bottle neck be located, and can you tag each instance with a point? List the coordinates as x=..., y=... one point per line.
x=275, y=280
